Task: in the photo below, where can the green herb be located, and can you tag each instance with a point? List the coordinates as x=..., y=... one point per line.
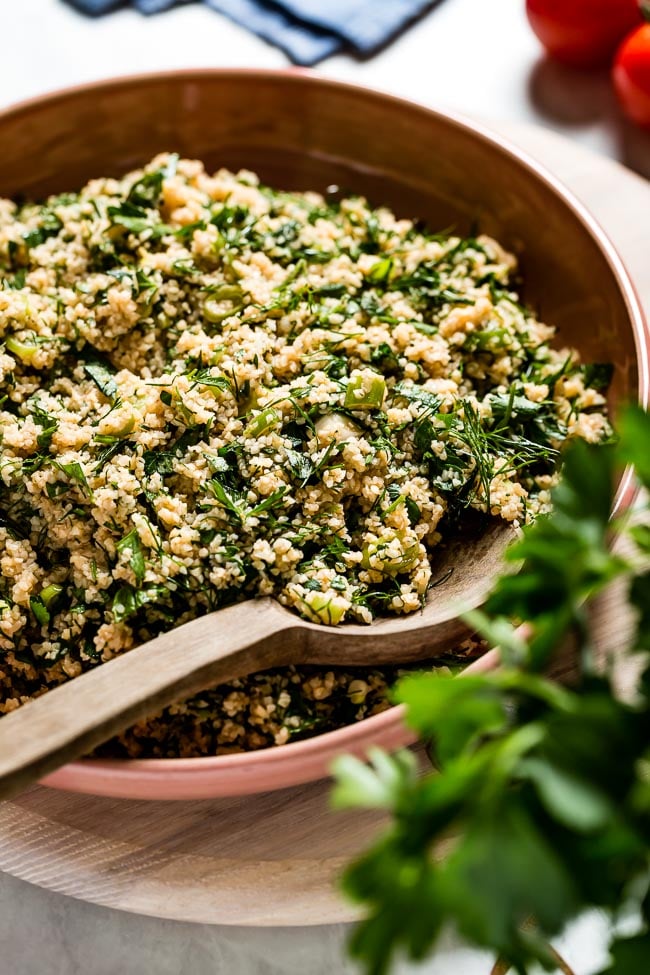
x=491, y=339
x=144, y=286
x=204, y=377
x=321, y=464
x=396, y=497
x=384, y=357
x=162, y=461
x=75, y=472
x=423, y=288
x=471, y=435
x=380, y=272
x=416, y=394
x=146, y=191
x=231, y=499
x=371, y=305
x=519, y=435
x=102, y=374
x=332, y=552
x=136, y=221
x=535, y=422
x=184, y=267
x=339, y=583
x=598, y=375
x=131, y=542
x=49, y=425
x=425, y=327
x=127, y=601
x=158, y=462
x=300, y=465
x=49, y=226
x=544, y=787
x=105, y=455
x=43, y=605
x=40, y=610
x=287, y=232
x=313, y=585
x=231, y=218
x=16, y=281
x=268, y=503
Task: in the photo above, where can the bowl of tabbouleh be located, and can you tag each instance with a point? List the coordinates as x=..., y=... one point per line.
x=269, y=335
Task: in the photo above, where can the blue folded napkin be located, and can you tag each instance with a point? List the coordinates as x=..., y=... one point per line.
x=307, y=30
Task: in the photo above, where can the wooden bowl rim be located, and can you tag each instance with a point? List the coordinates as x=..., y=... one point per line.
x=306, y=760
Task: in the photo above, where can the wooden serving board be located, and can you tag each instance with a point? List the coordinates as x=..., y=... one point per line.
x=271, y=859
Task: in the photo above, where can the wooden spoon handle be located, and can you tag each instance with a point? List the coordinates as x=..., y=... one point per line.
x=71, y=720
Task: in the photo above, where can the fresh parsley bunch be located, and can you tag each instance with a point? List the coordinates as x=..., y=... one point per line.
x=540, y=805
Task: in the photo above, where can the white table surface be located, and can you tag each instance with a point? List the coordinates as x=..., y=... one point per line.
x=474, y=56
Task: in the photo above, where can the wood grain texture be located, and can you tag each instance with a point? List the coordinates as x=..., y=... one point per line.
x=74, y=718
x=271, y=859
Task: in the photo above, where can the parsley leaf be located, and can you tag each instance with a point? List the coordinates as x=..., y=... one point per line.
x=102, y=374
x=131, y=542
x=544, y=787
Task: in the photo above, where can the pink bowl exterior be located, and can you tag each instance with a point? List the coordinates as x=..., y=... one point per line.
x=246, y=773
x=304, y=761
x=231, y=775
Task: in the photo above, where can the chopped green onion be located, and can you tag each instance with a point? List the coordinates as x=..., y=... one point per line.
x=374, y=556
x=264, y=421
x=365, y=391
x=380, y=272
x=321, y=605
x=213, y=307
x=50, y=594
x=39, y=610
x=24, y=350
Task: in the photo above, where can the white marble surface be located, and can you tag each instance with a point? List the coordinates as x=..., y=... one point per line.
x=475, y=56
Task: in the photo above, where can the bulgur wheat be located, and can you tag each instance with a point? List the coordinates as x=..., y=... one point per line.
x=212, y=390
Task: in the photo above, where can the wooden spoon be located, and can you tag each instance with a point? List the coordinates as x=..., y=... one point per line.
x=71, y=720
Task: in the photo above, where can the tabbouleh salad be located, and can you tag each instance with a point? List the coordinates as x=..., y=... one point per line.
x=211, y=390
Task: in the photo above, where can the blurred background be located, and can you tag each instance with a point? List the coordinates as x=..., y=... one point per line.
x=479, y=57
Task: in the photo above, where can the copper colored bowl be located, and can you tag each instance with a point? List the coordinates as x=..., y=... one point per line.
x=305, y=132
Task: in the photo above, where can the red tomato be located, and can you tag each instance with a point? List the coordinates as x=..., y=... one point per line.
x=584, y=33
x=631, y=75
